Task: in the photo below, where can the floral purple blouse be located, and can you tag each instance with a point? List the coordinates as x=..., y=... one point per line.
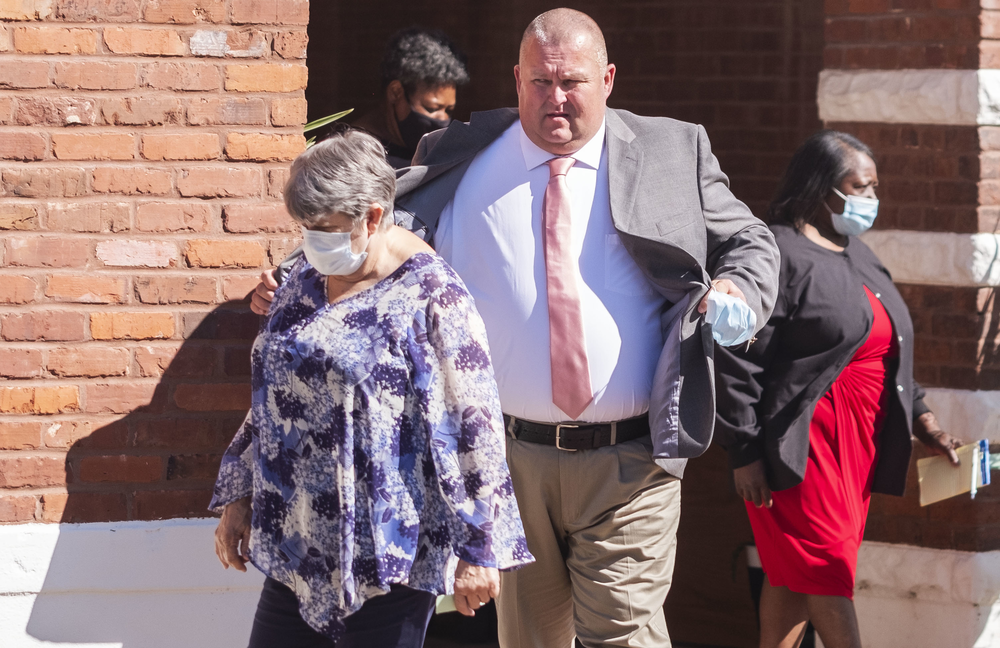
x=374, y=446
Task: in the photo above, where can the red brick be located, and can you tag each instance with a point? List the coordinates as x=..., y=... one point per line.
x=43, y=182
x=86, y=289
x=18, y=216
x=131, y=326
x=126, y=398
x=20, y=363
x=182, y=76
x=177, y=362
x=96, y=75
x=78, y=508
x=26, y=10
x=88, y=217
x=275, y=12
x=39, y=400
x=237, y=362
x=185, y=11
x=5, y=39
x=183, y=433
x=39, y=470
x=132, y=180
x=142, y=111
x=89, y=361
x=176, y=290
x=99, y=10
x=261, y=147
x=291, y=45
x=148, y=42
x=174, y=217
x=266, y=77
x=288, y=112
x=55, y=40
x=989, y=55
x=16, y=289
x=20, y=145
x=92, y=433
x=254, y=218
x=93, y=146
x=121, y=468
x=193, y=467
x=20, y=436
x=181, y=146
x=215, y=111
x=990, y=24
x=158, y=505
x=247, y=43
x=48, y=252
x=17, y=508
x=19, y=75
x=238, y=287
x=137, y=254
x=219, y=182
x=278, y=249
x=50, y=325
x=224, y=254
x=213, y=397
x=276, y=181
x=6, y=110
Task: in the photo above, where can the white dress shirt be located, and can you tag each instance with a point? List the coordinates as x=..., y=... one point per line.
x=491, y=233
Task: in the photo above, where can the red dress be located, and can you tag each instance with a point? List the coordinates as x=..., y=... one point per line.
x=808, y=540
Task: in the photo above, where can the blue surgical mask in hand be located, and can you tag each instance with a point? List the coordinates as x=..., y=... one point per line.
x=733, y=322
x=330, y=252
x=859, y=214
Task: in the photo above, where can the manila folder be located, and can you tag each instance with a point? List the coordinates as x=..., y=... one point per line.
x=940, y=480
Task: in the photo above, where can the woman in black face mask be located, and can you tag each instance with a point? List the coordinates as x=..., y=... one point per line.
x=421, y=71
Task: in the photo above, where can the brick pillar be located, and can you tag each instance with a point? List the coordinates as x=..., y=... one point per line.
x=914, y=80
x=143, y=147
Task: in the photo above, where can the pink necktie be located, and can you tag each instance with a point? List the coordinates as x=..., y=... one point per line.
x=570, y=370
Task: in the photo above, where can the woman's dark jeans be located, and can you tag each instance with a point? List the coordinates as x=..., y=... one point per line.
x=395, y=620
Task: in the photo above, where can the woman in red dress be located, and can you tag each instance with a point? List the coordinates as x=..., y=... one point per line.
x=818, y=412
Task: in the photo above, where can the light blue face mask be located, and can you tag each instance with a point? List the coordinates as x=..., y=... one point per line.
x=733, y=322
x=859, y=214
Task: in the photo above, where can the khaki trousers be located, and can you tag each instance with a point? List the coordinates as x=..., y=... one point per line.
x=602, y=525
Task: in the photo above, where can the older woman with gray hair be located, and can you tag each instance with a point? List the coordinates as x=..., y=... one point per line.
x=369, y=475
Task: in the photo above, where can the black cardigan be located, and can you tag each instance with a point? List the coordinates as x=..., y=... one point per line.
x=767, y=393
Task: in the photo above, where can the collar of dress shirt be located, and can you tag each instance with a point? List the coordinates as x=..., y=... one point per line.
x=589, y=155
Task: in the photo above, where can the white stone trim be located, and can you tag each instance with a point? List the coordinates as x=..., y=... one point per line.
x=955, y=97
x=970, y=415
x=938, y=258
x=911, y=596
x=109, y=585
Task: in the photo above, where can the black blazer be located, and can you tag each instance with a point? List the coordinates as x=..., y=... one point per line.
x=767, y=393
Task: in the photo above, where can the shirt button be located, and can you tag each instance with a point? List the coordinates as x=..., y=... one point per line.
x=899, y=388
x=899, y=338
x=878, y=295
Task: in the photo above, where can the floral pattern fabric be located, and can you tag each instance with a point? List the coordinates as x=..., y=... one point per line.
x=374, y=448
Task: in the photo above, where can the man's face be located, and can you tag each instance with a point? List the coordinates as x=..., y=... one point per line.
x=562, y=90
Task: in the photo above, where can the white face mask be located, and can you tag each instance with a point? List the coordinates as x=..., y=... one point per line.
x=859, y=214
x=330, y=252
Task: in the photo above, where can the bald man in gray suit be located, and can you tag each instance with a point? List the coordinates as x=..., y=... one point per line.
x=653, y=228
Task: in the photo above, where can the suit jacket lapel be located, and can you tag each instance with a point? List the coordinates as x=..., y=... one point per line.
x=624, y=164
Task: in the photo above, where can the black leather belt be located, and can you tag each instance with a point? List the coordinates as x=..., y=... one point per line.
x=577, y=436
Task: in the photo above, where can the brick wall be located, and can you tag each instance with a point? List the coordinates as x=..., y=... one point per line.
x=143, y=147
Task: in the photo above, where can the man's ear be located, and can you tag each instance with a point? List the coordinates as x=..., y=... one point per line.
x=517, y=79
x=394, y=92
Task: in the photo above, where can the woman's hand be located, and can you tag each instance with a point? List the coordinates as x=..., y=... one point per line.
x=929, y=432
x=474, y=587
x=232, y=536
x=751, y=484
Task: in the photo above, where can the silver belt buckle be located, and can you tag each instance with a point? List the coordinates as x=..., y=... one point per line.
x=559, y=427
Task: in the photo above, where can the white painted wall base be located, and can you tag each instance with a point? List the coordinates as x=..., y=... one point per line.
x=911, y=596
x=938, y=258
x=967, y=414
x=121, y=585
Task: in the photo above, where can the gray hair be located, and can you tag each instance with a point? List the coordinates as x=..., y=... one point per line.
x=344, y=173
x=558, y=26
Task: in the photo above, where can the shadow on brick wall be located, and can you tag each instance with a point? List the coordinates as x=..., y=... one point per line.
x=158, y=462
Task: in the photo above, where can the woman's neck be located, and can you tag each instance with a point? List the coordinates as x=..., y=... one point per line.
x=387, y=250
x=821, y=232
